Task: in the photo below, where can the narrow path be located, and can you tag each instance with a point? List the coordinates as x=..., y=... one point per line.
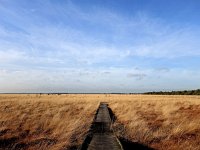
x=103, y=137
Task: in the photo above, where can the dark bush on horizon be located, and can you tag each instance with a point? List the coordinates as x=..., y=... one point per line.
x=185, y=92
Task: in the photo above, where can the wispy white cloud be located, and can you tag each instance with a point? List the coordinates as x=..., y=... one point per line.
x=160, y=40
x=137, y=76
x=70, y=80
x=53, y=46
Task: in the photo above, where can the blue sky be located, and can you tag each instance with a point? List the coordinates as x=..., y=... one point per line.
x=99, y=46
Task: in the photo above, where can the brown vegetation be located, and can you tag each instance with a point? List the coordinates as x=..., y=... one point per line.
x=161, y=122
x=44, y=121
x=61, y=121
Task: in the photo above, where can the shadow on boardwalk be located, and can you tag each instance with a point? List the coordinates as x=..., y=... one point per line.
x=128, y=145
x=100, y=134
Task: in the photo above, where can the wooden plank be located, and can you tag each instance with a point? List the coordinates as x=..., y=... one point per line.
x=103, y=137
x=104, y=142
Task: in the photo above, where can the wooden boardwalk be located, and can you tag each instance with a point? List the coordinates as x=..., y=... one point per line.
x=103, y=137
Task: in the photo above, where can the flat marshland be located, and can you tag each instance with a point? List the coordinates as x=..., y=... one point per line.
x=44, y=121
x=56, y=122
x=161, y=122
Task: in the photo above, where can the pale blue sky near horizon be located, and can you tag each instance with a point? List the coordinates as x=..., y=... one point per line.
x=99, y=45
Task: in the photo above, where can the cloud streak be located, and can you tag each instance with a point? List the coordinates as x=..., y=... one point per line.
x=138, y=76
x=43, y=43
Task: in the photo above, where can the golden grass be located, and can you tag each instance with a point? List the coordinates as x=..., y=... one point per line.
x=161, y=122
x=61, y=121
x=44, y=122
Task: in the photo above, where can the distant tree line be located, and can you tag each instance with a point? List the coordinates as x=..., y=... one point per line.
x=185, y=92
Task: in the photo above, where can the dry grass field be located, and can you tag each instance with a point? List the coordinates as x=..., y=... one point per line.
x=44, y=122
x=59, y=122
x=161, y=122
